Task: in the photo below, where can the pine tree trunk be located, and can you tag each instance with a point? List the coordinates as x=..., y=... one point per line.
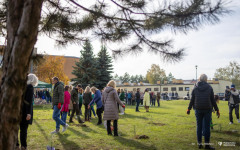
x=22, y=29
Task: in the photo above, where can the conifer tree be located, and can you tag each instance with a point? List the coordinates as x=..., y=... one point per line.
x=85, y=70
x=104, y=67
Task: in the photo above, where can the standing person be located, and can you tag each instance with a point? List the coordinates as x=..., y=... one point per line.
x=27, y=110
x=188, y=95
x=153, y=99
x=126, y=97
x=203, y=101
x=70, y=107
x=227, y=94
x=233, y=104
x=80, y=98
x=58, y=99
x=47, y=96
x=146, y=100
x=122, y=97
x=87, y=98
x=75, y=100
x=110, y=99
x=98, y=101
x=158, y=98
x=137, y=100
x=176, y=95
x=141, y=98
x=129, y=98
x=66, y=103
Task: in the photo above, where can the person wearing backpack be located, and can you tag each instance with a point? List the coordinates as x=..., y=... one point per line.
x=233, y=103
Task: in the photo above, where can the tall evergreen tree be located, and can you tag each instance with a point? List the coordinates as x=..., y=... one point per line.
x=85, y=70
x=104, y=68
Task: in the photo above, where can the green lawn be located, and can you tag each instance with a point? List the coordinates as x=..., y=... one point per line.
x=168, y=127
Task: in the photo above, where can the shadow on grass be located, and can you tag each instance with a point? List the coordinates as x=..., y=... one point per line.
x=67, y=144
x=78, y=133
x=41, y=129
x=133, y=116
x=227, y=132
x=133, y=143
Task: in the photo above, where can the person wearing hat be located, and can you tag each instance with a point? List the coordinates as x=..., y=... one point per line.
x=233, y=103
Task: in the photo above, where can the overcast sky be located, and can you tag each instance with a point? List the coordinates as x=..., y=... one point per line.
x=211, y=47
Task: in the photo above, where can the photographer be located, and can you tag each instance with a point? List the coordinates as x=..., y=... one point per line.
x=233, y=103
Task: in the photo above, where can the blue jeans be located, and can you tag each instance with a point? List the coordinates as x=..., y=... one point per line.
x=56, y=117
x=64, y=116
x=138, y=102
x=92, y=110
x=203, y=118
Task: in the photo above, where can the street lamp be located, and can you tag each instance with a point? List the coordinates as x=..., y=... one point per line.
x=196, y=72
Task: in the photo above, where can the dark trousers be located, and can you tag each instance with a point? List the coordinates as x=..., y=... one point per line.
x=23, y=134
x=203, y=116
x=231, y=107
x=75, y=109
x=114, y=126
x=80, y=108
x=153, y=102
x=158, y=101
x=99, y=114
x=138, y=102
x=87, y=112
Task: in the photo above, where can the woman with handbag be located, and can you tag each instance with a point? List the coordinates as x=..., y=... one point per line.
x=110, y=99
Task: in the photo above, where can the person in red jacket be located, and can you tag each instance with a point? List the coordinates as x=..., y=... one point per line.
x=66, y=103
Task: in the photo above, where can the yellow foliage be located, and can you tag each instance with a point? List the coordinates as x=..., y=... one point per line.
x=52, y=67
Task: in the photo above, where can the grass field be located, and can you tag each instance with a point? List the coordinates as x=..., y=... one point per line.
x=168, y=127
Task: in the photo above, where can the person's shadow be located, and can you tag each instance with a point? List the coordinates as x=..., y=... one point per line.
x=133, y=143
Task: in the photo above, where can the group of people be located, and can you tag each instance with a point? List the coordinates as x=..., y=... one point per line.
x=203, y=101
x=43, y=94
x=109, y=102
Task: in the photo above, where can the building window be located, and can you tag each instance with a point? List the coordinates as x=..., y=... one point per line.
x=149, y=89
x=173, y=89
x=156, y=89
x=180, y=89
x=186, y=88
x=165, y=89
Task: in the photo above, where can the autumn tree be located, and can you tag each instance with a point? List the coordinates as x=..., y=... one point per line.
x=155, y=73
x=67, y=21
x=52, y=67
x=229, y=73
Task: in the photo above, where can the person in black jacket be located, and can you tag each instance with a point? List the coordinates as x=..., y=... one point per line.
x=87, y=98
x=202, y=101
x=137, y=100
x=27, y=110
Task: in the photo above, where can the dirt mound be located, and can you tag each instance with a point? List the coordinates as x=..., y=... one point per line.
x=142, y=137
